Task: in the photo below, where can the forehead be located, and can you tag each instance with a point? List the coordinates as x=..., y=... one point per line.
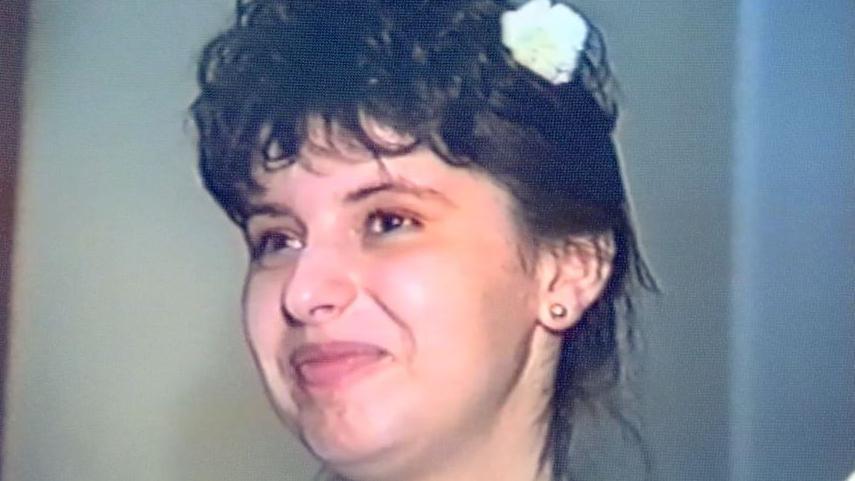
x=343, y=175
x=324, y=147
x=332, y=163
x=330, y=172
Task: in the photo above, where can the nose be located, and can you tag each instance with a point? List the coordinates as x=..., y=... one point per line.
x=320, y=288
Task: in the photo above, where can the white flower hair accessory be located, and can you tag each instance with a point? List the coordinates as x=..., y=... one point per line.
x=545, y=38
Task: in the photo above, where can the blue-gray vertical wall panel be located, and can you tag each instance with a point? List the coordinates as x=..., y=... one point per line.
x=793, y=334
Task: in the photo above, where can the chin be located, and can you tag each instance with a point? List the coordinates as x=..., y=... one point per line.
x=333, y=450
x=355, y=459
x=341, y=437
x=384, y=444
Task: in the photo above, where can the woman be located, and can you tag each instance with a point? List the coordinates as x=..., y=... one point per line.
x=440, y=240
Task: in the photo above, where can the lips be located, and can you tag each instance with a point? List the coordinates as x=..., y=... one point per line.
x=331, y=364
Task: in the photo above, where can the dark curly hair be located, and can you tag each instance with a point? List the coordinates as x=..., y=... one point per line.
x=438, y=71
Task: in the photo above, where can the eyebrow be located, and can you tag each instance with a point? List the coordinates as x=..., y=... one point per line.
x=355, y=196
x=396, y=187
x=272, y=210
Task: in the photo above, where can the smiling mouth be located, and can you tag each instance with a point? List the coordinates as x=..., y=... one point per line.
x=330, y=366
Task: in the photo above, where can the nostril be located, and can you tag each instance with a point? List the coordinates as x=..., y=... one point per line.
x=318, y=313
x=322, y=311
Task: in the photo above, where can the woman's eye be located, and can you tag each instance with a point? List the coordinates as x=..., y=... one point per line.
x=380, y=222
x=275, y=242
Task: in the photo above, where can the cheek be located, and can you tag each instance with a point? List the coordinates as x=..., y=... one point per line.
x=456, y=308
x=266, y=333
x=262, y=314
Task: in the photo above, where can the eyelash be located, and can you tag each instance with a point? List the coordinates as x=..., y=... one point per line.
x=264, y=245
x=405, y=221
x=373, y=226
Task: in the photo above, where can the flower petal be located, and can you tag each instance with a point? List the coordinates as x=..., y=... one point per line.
x=545, y=38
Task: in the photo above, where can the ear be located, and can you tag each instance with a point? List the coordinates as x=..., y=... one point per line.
x=573, y=274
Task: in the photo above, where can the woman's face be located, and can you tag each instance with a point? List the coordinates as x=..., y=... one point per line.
x=388, y=306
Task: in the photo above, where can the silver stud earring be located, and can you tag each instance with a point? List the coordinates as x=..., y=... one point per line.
x=557, y=310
